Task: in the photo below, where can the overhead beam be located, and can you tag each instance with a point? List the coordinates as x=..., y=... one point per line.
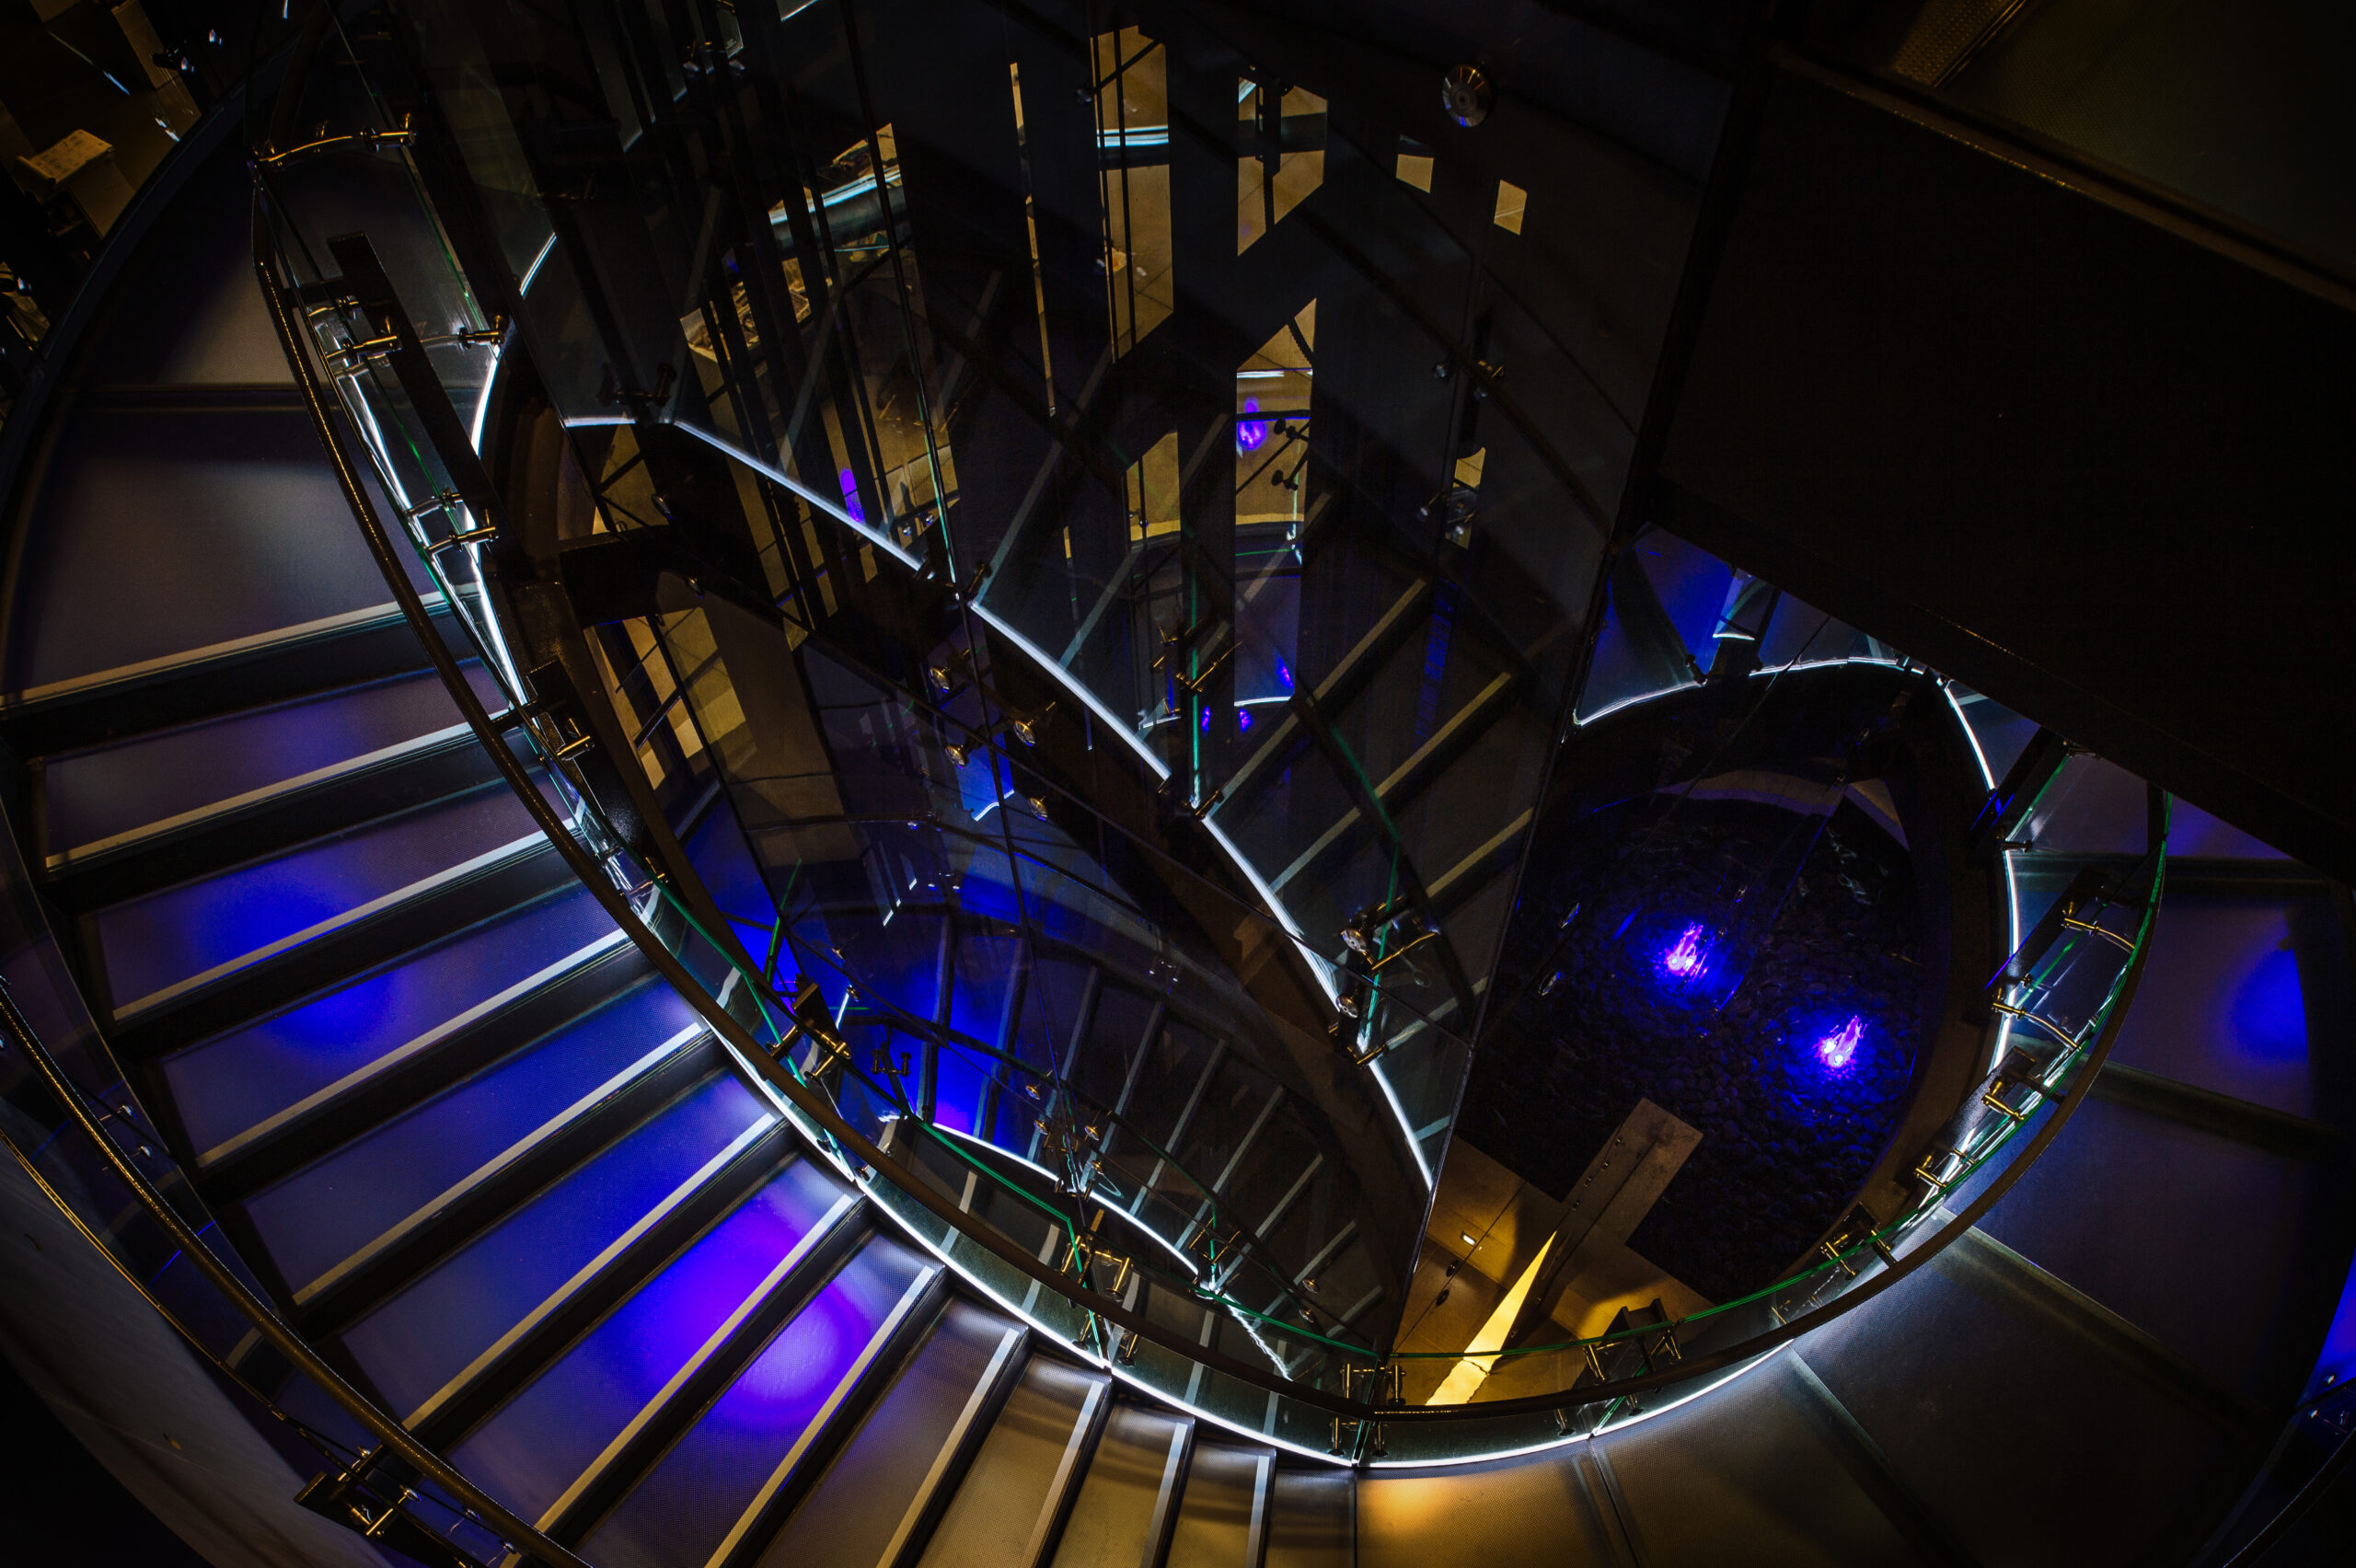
x=2004, y=414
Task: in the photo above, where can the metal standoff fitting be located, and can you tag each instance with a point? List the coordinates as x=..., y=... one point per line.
x=1466, y=94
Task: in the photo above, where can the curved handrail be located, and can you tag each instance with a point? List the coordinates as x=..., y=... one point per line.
x=985, y=739
x=784, y=1081
x=327, y=1446
x=1252, y=1242
x=1843, y=1261
x=788, y=1086
x=743, y=1046
x=258, y=1312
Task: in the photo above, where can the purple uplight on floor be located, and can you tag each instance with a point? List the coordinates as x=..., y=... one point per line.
x=1250, y=432
x=1839, y=1048
x=1684, y=960
x=851, y=497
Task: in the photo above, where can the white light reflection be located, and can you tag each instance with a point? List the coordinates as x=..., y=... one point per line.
x=833, y=508
x=2011, y=878
x=1611, y=707
x=1077, y=689
x=490, y=376
x=1079, y=692
x=524, y=284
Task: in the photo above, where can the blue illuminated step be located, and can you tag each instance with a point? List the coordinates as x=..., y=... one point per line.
x=334, y=1215
x=245, y=1084
x=101, y=794
x=710, y=1493
x=426, y=1340
x=558, y=1436
x=160, y=946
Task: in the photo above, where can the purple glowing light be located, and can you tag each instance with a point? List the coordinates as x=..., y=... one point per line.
x=1837, y=1049
x=1250, y=432
x=850, y=483
x=1684, y=960
x=1243, y=718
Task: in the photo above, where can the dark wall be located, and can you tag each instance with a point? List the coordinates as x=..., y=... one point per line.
x=2093, y=462
x=62, y=1506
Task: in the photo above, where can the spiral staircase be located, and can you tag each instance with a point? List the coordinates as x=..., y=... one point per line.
x=361, y=1024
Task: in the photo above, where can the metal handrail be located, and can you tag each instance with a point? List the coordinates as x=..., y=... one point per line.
x=787, y=1086
x=329, y=1447
x=820, y=1111
x=667, y=964
x=262, y=1316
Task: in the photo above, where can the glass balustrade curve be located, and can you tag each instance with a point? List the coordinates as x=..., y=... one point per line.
x=455, y=309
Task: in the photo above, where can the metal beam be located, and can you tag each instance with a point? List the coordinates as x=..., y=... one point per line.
x=2259, y=1126
x=1891, y=1493
x=2062, y=1304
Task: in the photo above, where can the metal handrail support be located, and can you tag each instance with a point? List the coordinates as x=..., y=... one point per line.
x=780, y=1079
x=741, y=1043
x=516, y=1533
x=789, y=1090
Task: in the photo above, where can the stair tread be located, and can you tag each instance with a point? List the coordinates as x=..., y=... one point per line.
x=2221, y=1004
x=186, y=309
x=868, y=1502
x=324, y=1219
x=156, y=946
x=1310, y=1519
x=1927, y=1345
x=1752, y=1466
x=240, y=1084
x=1001, y=1513
x=428, y=1334
x=131, y=789
x=1222, y=1506
x=1115, y=1515
x=238, y=524
x=2168, y=1227
x=715, y=1481
x=548, y=1439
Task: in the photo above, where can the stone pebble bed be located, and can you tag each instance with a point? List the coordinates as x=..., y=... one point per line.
x=1601, y=1022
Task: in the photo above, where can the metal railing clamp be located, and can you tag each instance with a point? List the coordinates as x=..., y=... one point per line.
x=366, y=140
